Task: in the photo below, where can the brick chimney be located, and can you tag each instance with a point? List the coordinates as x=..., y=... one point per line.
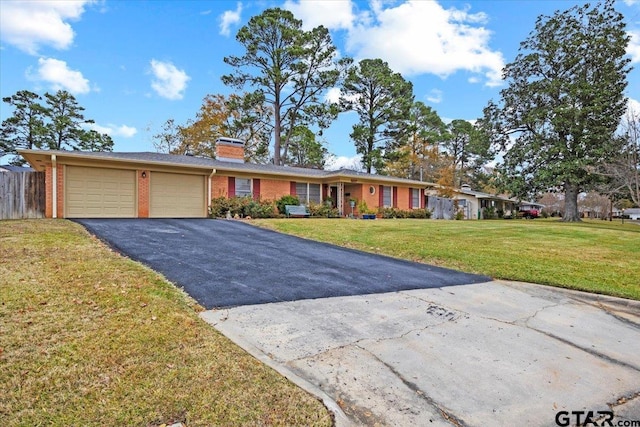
x=230, y=150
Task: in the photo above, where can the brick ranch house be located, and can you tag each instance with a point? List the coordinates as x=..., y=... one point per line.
x=154, y=185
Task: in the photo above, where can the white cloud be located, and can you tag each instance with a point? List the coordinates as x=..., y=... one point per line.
x=633, y=49
x=31, y=24
x=633, y=106
x=333, y=95
x=631, y=2
x=343, y=162
x=229, y=18
x=113, y=130
x=434, y=96
x=169, y=82
x=335, y=15
x=59, y=76
x=419, y=37
x=125, y=131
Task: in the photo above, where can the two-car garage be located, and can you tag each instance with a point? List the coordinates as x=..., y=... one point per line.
x=91, y=192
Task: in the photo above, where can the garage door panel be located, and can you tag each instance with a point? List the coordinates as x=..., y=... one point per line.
x=100, y=193
x=177, y=195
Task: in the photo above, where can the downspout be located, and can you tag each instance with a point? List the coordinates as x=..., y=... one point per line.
x=54, y=190
x=209, y=189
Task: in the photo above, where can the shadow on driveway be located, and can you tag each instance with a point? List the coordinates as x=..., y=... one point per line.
x=230, y=263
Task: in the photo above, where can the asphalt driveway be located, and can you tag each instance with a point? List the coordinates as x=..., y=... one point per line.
x=229, y=263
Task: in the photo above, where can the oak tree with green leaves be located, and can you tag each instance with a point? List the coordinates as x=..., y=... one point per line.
x=382, y=99
x=291, y=69
x=565, y=96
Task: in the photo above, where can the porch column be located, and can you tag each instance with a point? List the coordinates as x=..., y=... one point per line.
x=340, y=200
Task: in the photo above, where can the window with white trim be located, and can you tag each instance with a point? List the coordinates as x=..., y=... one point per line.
x=386, y=196
x=243, y=187
x=415, y=198
x=308, y=192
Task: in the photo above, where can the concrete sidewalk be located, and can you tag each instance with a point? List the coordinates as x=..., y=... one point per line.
x=495, y=353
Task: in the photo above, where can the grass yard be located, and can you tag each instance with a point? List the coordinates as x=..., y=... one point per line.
x=88, y=337
x=594, y=256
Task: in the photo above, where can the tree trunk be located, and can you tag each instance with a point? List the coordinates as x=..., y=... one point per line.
x=571, y=213
x=277, y=130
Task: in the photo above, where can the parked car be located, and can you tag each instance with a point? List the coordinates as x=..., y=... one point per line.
x=529, y=213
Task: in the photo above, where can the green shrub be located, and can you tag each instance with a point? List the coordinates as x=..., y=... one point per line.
x=399, y=213
x=323, y=210
x=459, y=215
x=241, y=206
x=489, y=212
x=260, y=209
x=286, y=200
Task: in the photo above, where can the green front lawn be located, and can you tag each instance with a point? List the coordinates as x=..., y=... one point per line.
x=88, y=337
x=594, y=256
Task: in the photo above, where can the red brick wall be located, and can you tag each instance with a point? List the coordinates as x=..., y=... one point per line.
x=143, y=194
x=48, y=209
x=403, y=198
x=370, y=199
x=230, y=151
x=219, y=186
x=273, y=189
x=355, y=192
x=48, y=196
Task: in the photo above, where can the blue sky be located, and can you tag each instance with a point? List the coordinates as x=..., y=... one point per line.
x=135, y=64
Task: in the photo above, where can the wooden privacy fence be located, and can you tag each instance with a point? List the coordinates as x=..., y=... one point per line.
x=22, y=195
x=440, y=207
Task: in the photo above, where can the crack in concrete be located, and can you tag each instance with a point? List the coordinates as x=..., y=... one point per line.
x=379, y=340
x=524, y=320
x=624, y=400
x=588, y=350
x=445, y=413
x=619, y=318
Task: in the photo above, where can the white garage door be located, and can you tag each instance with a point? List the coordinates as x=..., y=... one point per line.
x=177, y=195
x=99, y=193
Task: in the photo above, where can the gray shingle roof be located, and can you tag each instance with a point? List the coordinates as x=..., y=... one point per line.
x=203, y=162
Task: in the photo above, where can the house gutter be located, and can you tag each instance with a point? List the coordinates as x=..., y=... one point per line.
x=54, y=190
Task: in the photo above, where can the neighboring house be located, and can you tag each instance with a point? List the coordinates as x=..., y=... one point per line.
x=141, y=185
x=632, y=213
x=474, y=204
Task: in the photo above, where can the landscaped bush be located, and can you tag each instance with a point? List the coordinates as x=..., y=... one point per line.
x=323, y=210
x=489, y=213
x=241, y=206
x=286, y=200
x=399, y=213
